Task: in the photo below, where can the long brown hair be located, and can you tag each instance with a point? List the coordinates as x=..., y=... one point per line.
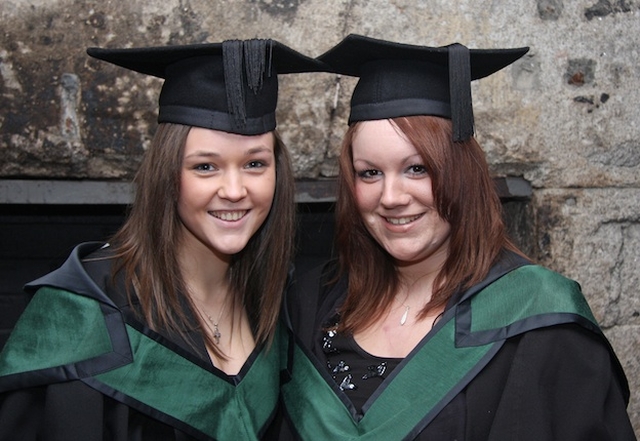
x=465, y=197
x=147, y=242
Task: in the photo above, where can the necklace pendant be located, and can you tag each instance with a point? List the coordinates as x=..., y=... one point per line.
x=403, y=319
x=216, y=334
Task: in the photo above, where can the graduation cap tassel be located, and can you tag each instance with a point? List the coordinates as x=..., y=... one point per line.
x=460, y=91
x=270, y=58
x=255, y=62
x=232, y=58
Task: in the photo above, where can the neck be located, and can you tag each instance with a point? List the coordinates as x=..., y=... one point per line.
x=205, y=274
x=417, y=278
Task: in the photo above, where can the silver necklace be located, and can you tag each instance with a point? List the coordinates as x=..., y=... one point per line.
x=215, y=330
x=403, y=319
x=405, y=314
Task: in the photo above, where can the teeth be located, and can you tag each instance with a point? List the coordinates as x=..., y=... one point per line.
x=401, y=220
x=229, y=215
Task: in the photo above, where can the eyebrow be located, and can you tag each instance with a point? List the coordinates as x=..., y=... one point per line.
x=249, y=152
x=413, y=157
x=406, y=159
x=258, y=149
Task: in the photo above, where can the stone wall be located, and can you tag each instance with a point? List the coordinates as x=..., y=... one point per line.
x=566, y=117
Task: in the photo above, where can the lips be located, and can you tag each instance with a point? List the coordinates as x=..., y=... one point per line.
x=402, y=220
x=230, y=216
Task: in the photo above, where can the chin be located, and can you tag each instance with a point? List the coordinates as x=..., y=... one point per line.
x=230, y=250
x=408, y=256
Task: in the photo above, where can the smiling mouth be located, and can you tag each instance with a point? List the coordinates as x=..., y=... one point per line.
x=402, y=220
x=231, y=216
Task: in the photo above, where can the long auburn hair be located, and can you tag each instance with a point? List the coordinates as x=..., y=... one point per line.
x=465, y=197
x=147, y=242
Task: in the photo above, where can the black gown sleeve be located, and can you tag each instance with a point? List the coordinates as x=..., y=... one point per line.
x=562, y=383
x=74, y=411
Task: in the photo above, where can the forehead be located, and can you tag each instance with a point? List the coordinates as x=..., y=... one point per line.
x=380, y=138
x=209, y=141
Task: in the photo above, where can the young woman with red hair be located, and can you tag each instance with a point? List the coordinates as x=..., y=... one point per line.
x=431, y=324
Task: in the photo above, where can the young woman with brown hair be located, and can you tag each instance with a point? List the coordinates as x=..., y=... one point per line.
x=170, y=331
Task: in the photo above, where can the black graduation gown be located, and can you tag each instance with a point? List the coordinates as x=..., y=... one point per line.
x=553, y=376
x=107, y=376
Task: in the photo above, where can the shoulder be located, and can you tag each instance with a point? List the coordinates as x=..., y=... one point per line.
x=578, y=352
x=534, y=290
x=565, y=354
x=556, y=382
x=71, y=275
x=549, y=317
x=567, y=344
x=575, y=359
x=74, y=335
x=526, y=298
x=86, y=272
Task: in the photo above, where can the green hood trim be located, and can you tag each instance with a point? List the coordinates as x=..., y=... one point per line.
x=63, y=330
x=317, y=412
x=63, y=336
x=170, y=384
x=527, y=298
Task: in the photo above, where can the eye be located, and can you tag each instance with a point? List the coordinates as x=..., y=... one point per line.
x=204, y=167
x=256, y=164
x=368, y=173
x=417, y=169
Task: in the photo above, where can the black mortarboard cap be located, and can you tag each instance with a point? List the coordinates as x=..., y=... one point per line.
x=230, y=86
x=403, y=80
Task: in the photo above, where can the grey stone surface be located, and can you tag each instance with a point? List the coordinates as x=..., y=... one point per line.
x=590, y=233
x=566, y=117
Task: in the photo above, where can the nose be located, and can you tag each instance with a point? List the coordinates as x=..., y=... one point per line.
x=394, y=193
x=232, y=186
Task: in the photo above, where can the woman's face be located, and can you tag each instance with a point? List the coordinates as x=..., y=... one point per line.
x=394, y=195
x=227, y=187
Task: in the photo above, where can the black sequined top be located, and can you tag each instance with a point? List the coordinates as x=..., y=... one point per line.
x=356, y=372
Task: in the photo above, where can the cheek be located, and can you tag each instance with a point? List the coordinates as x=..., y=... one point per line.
x=191, y=195
x=183, y=195
x=444, y=229
x=265, y=188
x=366, y=197
x=184, y=208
